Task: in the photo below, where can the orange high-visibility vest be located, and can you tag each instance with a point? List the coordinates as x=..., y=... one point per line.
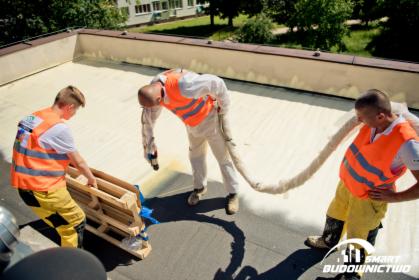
x=366, y=165
x=33, y=167
x=191, y=111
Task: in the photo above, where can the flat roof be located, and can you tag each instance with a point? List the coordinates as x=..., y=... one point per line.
x=278, y=131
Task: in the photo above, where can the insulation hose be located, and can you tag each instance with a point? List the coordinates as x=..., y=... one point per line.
x=299, y=179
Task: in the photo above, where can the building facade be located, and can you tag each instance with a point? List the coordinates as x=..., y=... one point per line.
x=149, y=11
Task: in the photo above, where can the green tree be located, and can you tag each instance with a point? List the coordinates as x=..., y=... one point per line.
x=398, y=39
x=23, y=19
x=279, y=10
x=229, y=9
x=320, y=23
x=257, y=30
x=212, y=10
x=368, y=10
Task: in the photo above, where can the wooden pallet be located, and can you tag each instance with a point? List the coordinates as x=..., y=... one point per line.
x=113, y=206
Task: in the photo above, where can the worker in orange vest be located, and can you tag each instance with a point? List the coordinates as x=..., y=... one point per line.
x=42, y=151
x=385, y=147
x=193, y=99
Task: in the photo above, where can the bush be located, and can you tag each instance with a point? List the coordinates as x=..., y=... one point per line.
x=257, y=30
x=320, y=23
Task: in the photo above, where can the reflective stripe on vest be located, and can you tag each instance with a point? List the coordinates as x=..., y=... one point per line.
x=21, y=150
x=196, y=109
x=190, y=110
x=367, y=165
x=364, y=163
x=35, y=172
x=185, y=107
x=34, y=167
x=360, y=179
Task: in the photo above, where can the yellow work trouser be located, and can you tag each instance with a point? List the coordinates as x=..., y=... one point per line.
x=360, y=215
x=58, y=209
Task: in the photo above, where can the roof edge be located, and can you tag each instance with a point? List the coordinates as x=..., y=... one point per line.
x=262, y=49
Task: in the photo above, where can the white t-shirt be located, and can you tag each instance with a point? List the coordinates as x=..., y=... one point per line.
x=408, y=154
x=58, y=138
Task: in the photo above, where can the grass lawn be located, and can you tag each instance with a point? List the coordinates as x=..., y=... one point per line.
x=196, y=27
x=355, y=43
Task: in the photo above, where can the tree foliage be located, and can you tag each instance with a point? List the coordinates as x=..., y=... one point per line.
x=368, y=10
x=257, y=30
x=320, y=23
x=229, y=9
x=21, y=19
x=398, y=39
x=279, y=10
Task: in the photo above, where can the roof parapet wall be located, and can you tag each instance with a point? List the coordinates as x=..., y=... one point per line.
x=334, y=74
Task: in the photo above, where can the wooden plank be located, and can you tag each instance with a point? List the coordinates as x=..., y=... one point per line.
x=117, y=215
x=109, y=211
x=110, y=188
x=118, y=212
x=110, y=228
x=140, y=253
x=102, y=184
x=116, y=208
x=131, y=230
x=115, y=181
x=98, y=193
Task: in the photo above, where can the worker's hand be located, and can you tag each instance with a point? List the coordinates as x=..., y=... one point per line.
x=152, y=159
x=387, y=195
x=92, y=182
x=150, y=154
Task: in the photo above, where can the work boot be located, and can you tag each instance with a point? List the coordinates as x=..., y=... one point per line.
x=330, y=237
x=317, y=242
x=232, y=204
x=196, y=195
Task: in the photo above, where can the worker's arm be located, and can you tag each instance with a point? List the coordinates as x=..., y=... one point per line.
x=148, y=120
x=195, y=86
x=78, y=162
x=409, y=156
x=411, y=193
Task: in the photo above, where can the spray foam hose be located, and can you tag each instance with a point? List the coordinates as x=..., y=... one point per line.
x=298, y=180
x=284, y=185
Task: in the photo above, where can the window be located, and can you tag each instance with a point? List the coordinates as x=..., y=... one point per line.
x=141, y=9
x=156, y=6
x=175, y=4
x=190, y=3
x=125, y=10
x=164, y=5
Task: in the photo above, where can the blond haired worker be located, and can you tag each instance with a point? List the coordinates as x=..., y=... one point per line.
x=192, y=98
x=43, y=149
x=385, y=147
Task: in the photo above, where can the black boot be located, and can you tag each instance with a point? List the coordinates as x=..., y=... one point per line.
x=330, y=237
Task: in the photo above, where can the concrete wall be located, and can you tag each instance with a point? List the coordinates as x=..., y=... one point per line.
x=340, y=75
x=36, y=56
x=343, y=78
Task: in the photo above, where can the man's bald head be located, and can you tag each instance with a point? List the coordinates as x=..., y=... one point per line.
x=150, y=95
